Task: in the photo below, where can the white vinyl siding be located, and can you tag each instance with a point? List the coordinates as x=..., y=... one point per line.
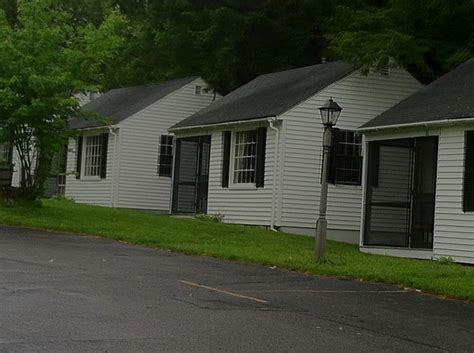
x=250, y=205
x=454, y=229
x=94, y=191
x=362, y=98
x=139, y=185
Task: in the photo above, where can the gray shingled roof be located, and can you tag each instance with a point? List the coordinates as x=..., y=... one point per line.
x=119, y=104
x=449, y=97
x=269, y=95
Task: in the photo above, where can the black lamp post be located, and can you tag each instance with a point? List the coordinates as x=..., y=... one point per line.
x=330, y=112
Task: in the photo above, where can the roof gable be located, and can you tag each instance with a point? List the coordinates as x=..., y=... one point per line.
x=119, y=104
x=269, y=95
x=449, y=97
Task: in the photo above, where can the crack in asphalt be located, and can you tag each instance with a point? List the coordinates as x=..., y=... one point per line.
x=30, y=263
x=81, y=340
x=280, y=309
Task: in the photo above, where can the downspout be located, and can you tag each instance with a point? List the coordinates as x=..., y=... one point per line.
x=114, y=171
x=271, y=123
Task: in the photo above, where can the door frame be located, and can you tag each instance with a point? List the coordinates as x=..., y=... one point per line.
x=372, y=148
x=199, y=175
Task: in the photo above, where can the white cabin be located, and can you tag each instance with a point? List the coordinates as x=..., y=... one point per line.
x=128, y=163
x=419, y=173
x=254, y=156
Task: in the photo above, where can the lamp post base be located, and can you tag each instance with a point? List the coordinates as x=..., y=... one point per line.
x=320, y=239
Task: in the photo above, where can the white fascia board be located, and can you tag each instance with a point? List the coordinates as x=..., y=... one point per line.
x=230, y=123
x=417, y=124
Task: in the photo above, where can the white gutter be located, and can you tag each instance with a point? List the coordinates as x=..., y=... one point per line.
x=101, y=127
x=114, y=164
x=271, y=122
x=417, y=124
x=248, y=121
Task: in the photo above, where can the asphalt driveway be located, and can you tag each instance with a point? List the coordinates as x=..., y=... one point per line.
x=70, y=293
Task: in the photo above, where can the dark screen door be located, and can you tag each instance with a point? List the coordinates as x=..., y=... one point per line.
x=191, y=177
x=389, y=184
x=400, y=192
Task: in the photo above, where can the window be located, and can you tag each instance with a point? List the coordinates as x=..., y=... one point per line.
x=384, y=70
x=346, y=161
x=165, y=157
x=199, y=90
x=468, y=197
x=92, y=155
x=244, y=157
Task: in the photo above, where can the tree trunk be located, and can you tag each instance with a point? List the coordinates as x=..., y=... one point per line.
x=35, y=166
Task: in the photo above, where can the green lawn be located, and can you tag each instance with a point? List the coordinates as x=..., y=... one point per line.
x=241, y=243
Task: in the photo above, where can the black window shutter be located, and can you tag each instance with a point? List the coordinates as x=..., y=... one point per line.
x=260, y=164
x=468, y=199
x=336, y=138
x=78, y=156
x=103, y=157
x=226, y=159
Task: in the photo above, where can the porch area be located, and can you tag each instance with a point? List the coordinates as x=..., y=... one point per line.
x=400, y=197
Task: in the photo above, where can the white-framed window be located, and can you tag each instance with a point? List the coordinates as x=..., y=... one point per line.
x=165, y=156
x=92, y=155
x=244, y=157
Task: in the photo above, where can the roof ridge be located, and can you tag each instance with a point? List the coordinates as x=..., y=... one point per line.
x=301, y=68
x=153, y=83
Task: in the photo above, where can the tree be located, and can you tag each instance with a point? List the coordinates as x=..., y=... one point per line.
x=428, y=37
x=230, y=42
x=46, y=59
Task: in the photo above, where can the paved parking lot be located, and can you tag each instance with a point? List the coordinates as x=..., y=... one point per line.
x=70, y=293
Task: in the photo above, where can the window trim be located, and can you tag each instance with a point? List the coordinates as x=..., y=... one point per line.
x=172, y=145
x=241, y=186
x=338, y=183
x=83, y=157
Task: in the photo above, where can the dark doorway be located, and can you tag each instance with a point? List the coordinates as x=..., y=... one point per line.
x=191, y=175
x=424, y=189
x=400, y=192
